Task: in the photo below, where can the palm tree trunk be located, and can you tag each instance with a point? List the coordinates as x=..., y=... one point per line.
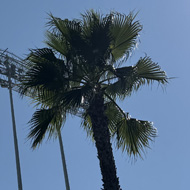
x=103, y=144
x=19, y=178
x=63, y=160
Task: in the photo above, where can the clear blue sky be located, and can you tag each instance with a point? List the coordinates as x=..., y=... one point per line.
x=166, y=38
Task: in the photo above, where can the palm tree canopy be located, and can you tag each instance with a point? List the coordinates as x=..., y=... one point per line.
x=84, y=57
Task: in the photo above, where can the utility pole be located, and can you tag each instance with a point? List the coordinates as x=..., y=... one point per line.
x=11, y=68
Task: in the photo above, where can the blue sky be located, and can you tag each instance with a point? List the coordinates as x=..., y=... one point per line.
x=165, y=37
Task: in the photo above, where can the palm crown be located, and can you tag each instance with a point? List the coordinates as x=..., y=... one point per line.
x=83, y=67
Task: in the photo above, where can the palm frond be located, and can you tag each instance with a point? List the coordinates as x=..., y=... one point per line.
x=134, y=135
x=148, y=71
x=44, y=120
x=96, y=33
x=57, y=43
x=131, y=135
x=123, y=82
x=65, y=37
x=45, y=74
x=73, y=97
x=131, y=78
x=41, y=54
x=125, y=32
x=86, y=124
x=63, y=27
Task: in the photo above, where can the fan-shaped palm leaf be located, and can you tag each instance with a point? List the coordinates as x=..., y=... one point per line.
x=131, y=135
x=132, y=77
x=124, y=32
x=44, y=120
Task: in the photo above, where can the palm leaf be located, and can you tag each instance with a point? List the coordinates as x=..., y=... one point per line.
x=57, y=43
x=134, y=135
x=133, y=77
x=96, y=32
x=147, y=71
x=125, y=33
x=39, y=54
x=66, y=38
x=86, y=124
x=131, y=135
x=123, y=86
x=65, y=28
x=44, y=120
x=46, y=74
x=73, y=97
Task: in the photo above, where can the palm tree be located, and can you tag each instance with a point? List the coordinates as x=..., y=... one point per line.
x=81, y=73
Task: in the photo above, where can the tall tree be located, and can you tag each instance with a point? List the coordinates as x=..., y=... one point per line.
x=81, y=73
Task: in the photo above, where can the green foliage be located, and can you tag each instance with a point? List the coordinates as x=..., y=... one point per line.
x=44, y=120
x=134, y=135
x=130, y=134
x=81, y=61
x=125, y=32
x=131, y=78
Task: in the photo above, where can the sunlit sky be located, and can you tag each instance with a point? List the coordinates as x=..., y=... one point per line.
x=165, y=38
